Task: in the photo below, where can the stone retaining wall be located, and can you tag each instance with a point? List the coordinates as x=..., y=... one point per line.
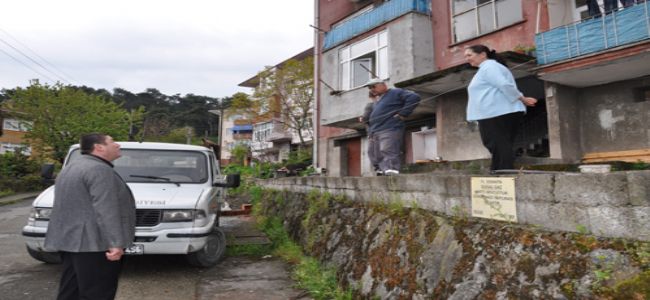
x=609, y=205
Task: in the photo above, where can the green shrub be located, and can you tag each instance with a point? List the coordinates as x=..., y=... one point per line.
x=19, y=173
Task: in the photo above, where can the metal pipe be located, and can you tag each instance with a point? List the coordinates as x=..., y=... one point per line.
x=604, y=29
x=315, y=110
x=647, y=16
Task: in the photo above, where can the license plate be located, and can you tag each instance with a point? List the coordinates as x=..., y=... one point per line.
x=135, y=249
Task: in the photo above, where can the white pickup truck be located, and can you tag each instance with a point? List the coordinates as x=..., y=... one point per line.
x=178, y=191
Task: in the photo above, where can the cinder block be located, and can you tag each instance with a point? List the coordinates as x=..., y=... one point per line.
x=563, y=217
x=592, y=189
x=363, y=183
x=453, y=184
x=418, y=183
x=613, y=221
x=437, y=184
x=350, y=183
x=379, y=183
x=638, y=185
x=458, y=206
x=431, y=202
x=534, y=187
x=642, y=222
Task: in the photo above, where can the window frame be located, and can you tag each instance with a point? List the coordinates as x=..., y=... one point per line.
x=474, y=10
x=381, y=43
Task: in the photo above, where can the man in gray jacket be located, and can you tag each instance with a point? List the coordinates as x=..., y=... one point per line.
x=92, y=221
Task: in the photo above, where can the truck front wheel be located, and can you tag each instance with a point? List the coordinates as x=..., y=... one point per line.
x=46, y=257
x=212, y=252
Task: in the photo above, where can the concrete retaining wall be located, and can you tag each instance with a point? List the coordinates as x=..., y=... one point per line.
x=610, y=205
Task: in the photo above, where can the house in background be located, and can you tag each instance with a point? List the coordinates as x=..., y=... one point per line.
x=236, y=130
x=272, y=139
x=13, y=134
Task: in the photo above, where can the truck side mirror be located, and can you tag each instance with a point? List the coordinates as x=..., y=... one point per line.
x=47, y=174
x=230, y=181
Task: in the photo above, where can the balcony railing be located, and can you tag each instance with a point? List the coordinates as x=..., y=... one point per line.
x=624, y=26
x=379, y=15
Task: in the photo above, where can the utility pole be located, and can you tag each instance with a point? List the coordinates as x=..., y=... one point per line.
x=188, y=135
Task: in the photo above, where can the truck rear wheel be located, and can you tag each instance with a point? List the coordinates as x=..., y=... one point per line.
x=212, y=252
x=46, y=257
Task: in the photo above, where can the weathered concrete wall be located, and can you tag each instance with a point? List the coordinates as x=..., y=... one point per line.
x=610, y=205
x=386, y=251
x=457, y=139
x=612, y=119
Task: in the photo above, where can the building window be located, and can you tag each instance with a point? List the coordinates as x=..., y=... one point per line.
x=476, y=17
x=262, y=132
x=364, y=60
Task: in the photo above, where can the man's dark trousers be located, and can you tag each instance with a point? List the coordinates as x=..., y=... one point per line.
x=88, y=275
x=390, y=148
x=498, y=136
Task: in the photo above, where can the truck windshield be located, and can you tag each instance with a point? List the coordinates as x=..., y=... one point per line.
x=148, y=165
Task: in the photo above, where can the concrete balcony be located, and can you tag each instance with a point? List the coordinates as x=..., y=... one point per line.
x=609, y=48
x=371, y=19
x=622, y=27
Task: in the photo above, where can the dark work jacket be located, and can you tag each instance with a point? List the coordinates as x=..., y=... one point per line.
x=394, y=101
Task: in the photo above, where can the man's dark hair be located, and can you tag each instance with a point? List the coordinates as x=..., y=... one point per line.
x=87, y=141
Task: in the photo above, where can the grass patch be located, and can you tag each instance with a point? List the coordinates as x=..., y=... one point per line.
x=6, y=192
x=308, y=273
x=249, y=250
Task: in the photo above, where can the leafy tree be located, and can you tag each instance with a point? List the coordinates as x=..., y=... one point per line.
x=243, y=104
x=288, y=91
x=61, y=114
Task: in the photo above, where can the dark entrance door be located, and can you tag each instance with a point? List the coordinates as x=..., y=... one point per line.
x=353, y=147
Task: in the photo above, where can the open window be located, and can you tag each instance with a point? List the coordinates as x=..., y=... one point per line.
x=364, y=60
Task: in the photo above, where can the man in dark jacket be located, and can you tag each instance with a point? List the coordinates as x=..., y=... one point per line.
x=92, y=221
x=373, y=145
x=387, y=122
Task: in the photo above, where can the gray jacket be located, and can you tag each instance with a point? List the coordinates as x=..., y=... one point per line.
x=93, y=209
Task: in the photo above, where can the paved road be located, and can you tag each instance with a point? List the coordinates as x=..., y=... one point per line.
x=146, y=277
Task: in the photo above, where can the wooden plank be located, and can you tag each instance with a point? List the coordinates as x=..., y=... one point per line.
x=640, y=152
x=632, y=159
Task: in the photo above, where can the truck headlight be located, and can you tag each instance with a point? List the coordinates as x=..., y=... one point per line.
x=182, y=215
x=40, y=213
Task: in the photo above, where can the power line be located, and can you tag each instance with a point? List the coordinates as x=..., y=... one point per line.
x=26, y=65
x=42, y=58
x=37, y=63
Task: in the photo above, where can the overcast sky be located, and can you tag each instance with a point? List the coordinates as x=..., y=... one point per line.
x=203, y=47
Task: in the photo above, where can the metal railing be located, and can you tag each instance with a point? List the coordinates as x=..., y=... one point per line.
x=379, y=15
x=623, y=26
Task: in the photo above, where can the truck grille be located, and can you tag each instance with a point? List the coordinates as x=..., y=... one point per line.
x=147, y=217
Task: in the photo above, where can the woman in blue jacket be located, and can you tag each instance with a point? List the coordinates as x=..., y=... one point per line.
x=496, y=103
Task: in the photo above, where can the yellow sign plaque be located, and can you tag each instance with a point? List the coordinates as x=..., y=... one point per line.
x=494, y=198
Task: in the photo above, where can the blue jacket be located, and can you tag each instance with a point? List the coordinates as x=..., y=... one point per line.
x=394, y=101
x=492, y=92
